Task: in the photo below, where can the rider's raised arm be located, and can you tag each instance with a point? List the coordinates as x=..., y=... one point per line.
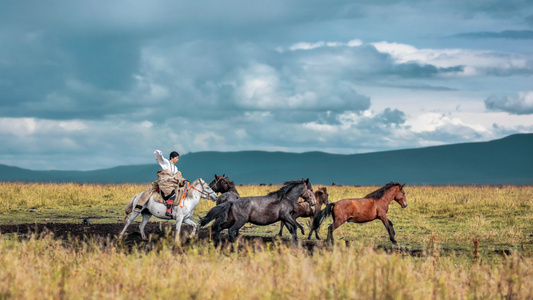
x=163, y=162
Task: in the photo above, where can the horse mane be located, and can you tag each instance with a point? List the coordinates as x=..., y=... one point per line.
x=288, y=185
x=377, y=194
x=229, y=182
x=189, y=191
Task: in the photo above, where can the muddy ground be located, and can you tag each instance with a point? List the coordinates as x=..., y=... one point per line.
x=108, y=233
x=158, y=231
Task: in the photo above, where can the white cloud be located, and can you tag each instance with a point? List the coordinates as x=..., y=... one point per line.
x=259, y=88
x=311, y=46
x=306, y=46
x=207, y=140
x=430, y=122
x=355, y=43
x=18, y=126
x=28, y=126
x=321, y=128
x=115, y=85
x=475, y=62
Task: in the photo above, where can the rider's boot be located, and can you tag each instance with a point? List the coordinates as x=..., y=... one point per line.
x=138, y=208
x=170, y=202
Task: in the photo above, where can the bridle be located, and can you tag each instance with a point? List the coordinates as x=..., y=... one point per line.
x=306, y=191
x=216, y=182
x=203, y=193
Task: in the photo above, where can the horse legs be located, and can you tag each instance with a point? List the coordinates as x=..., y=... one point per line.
x=291, y=225
x=283, y=224
x=301, y=228
x=293, y=231
x=234, y=229
x=190, y=222
x=132, y=217
x=316, y=234
x=179, y=220
x=216, y=238
x=392, y=226
x=390, y=229
x=329, y=239
x=146, y=217
x=311, y=233
x=337, y=222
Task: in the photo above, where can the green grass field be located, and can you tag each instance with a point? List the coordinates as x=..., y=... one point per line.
x=441, y=222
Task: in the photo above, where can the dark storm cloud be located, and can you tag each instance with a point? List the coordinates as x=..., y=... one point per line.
x=413, y=70
x=389, y=116
x=529, y=20
x=422, y=87
x=107, y=62
x=496, y=8
x=506, y=34
x=516, y=105
x=85, y=60
x=104, y=82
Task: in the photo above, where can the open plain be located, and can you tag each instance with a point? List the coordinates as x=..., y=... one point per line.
x=460, y=242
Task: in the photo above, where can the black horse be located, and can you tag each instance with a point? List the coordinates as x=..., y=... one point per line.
x=260, y=210
x=222, y=184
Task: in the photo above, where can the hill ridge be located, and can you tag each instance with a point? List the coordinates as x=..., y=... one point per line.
x=502, y=161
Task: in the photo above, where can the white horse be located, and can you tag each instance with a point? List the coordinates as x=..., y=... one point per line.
x=198, y=189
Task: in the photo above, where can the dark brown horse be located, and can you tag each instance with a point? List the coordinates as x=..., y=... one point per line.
x=303, y=209
x=373, y=206
x=222, y=184
x=260, y=210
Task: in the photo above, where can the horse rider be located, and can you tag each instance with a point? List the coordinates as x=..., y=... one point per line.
x=169, y=179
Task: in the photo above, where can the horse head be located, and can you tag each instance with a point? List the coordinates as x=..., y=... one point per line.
x=400, y=196
x=322, y=196
x=219, y=184
x=307, y=193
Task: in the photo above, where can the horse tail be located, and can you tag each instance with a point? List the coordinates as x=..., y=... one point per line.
x=129, y=207
x=218, y=213
x=323, y=214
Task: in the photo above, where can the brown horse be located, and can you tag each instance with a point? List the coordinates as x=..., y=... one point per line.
x=373, y=206
x=303, y=209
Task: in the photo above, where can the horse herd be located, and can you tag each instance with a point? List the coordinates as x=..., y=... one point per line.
x=294, y=200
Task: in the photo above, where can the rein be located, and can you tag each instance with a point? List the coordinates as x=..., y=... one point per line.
x=216, y=182
x=202, y=192
x=306, y=191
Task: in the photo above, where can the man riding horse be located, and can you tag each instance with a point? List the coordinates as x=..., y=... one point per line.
x=168, y=180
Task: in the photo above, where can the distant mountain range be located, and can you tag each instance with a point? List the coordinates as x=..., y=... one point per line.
x=504, y=161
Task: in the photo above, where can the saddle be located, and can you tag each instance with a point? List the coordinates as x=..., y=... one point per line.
x=160, y=197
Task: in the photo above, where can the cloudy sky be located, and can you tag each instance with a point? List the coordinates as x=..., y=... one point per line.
x=95, y=84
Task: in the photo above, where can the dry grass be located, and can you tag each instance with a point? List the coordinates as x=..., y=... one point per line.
x=437, y=218
x=46, y=268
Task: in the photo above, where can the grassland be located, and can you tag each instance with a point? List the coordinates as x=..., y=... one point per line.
x=442, y=223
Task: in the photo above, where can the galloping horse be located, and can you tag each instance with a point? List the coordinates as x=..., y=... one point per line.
x=198, y=189
x=222, y=184
x=260, y=210
x=303, y=209
x=373, y=206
